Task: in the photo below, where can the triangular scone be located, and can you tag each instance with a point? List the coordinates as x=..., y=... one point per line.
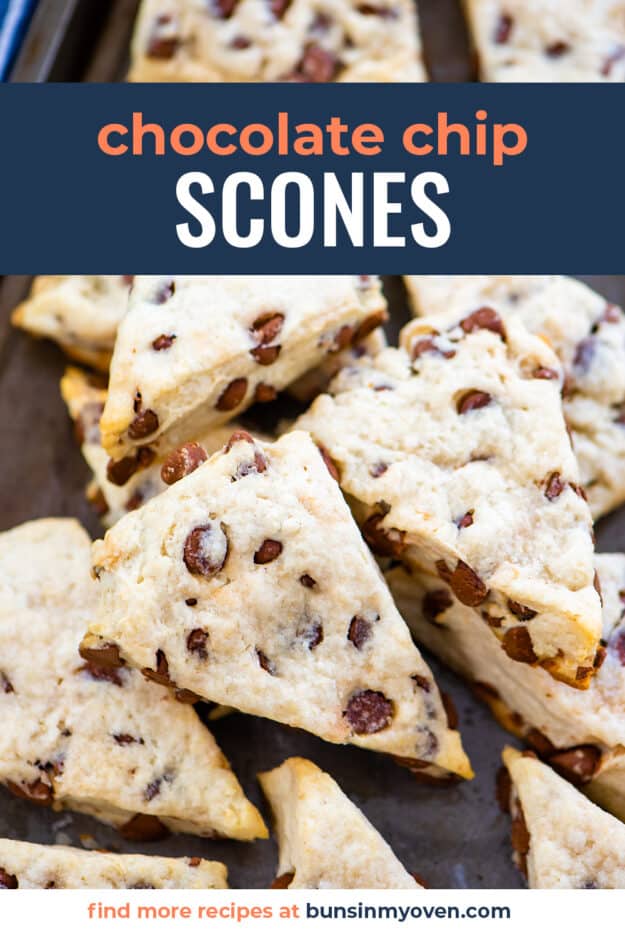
x=32, y=866
x=97, y=738
x=281, y=40
x=249, y=584
x=560, y=839
x=548, y=40
x=80, y=313
x=192, y=352
x=588, y=335
x=580, y=733
x=455, y=454
x=325, y=841
x=85, y=401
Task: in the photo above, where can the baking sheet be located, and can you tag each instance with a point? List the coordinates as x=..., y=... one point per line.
x=455, y=837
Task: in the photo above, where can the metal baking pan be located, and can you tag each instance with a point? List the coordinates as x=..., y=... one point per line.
x=87, y=40
x=455, y=837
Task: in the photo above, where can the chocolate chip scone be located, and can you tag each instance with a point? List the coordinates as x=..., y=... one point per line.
x=32, y=866
x=249, y=584
x=325, y=841
x=455, y=455
x=81, y=314
x=96, y=737
x=560, y=840
x=111, y=500
x=548, y=40
x=588, y=335
x=192, y=352
x=580, y=733
x=277, y=40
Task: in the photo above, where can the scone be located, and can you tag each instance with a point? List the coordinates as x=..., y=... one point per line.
x=317, y=380
x=192, y=352
x=80, y=313
x=111, y=500
x=580, y=733
x=249, y=584
x=97, y=738
x=559, y=838
x=455, y=455
x=31, y=866
x=325, y=842
x=276, y=40
x=588, y=335
x=548, y=40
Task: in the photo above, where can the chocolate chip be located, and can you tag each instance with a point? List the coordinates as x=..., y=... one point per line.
x=98, y=673
x=268, y=551
x=521, y=612
x=125, y=739
x=264, y=393
x=307, y=581
x=612, y=59
x=450, y=709
x=152, y=790
x=472, y=400
x=554, y=486
x=164, y=292
x=557, y=49
x=484, y=318
x=493, y=622
x=367, y=326
x=283, y=882
x=265, y=663
x=224, y=8
x=368, y=712
x=266, y=328
x=7, y=880
x=120, y=472
x=162, y=342
x=316, y=65
x=144, y=424
x=617, y=645
x=143, y=827
x=182, y=462
x=39, y=792
x=279, y=7
x=503, y=788
x=545, y=374
x=597, y=585
x=266, y=354
x=161, y=674
x=128, y=279
x=520, y=834
x=541, y=743
x=160, y=46
x=196, y=643
x=375, y=9
x=330, y=464
x=206, y=549
x=517, y=644
x=427, y=345
x=194, y=861
x=378, y=469
x=386, y=542
x=584, y=354
x=423, y=682
x=465, y=584
x=240, y=42
x=435, y=603
x=232, y=395
x=466, y=520
x=311, y=633
x=577, y=765
x=503, y=28
x=5, y=684
x=105, y=656
x=359, y=631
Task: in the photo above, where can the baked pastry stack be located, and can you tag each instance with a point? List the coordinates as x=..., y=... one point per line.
x=235, y=572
